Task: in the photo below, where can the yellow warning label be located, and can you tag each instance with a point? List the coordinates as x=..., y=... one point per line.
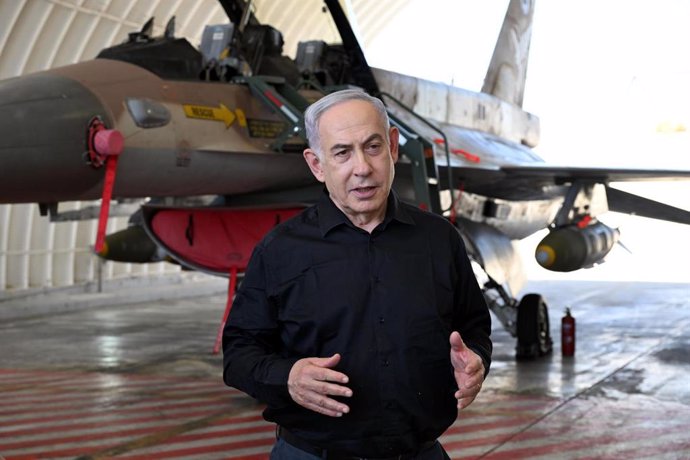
x=221, y=113
x=265, y=128
x=241, y=118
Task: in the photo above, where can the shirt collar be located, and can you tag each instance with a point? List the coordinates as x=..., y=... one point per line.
x=330, y=216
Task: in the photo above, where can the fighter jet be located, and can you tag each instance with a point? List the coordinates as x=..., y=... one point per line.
x=213, y=138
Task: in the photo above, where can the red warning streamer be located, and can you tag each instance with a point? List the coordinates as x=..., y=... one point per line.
x=228, y=306
x=105, y=146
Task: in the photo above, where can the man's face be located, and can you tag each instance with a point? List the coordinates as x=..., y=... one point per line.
x=356, y=163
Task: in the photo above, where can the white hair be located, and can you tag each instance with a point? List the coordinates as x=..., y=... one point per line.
x=313, y=114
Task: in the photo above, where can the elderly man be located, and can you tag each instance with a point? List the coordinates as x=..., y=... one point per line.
x=359, y=322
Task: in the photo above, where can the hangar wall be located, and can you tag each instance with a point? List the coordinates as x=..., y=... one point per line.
x=37, y=253
x=40, y=34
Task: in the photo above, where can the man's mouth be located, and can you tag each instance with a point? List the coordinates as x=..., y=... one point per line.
x=364, y=192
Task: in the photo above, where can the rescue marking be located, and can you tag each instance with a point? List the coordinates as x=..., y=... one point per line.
x=221, y=113
x=241, y=117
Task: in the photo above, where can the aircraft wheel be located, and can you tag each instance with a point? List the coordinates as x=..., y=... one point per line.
x=533, y=333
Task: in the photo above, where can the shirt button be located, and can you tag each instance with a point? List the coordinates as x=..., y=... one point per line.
x=381, y=320
x=384, y=363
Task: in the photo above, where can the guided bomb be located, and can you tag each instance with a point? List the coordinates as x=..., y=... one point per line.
x=570, y=248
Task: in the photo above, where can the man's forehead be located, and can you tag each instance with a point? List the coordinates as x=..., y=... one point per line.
x=344, y=119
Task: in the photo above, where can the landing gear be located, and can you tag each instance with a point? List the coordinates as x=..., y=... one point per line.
x=533, y=333
x=527, y=320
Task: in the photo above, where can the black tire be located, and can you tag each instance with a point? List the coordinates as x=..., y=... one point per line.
x=533, y=330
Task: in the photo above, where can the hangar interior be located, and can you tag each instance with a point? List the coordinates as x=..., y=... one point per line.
x=138, y=380
x=36, y=254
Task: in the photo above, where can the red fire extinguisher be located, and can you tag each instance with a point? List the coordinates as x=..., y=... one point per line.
x=568, y=334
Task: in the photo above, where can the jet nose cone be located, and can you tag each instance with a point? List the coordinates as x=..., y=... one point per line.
x=45, y=118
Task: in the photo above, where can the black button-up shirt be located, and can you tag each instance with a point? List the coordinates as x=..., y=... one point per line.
x=386, y=301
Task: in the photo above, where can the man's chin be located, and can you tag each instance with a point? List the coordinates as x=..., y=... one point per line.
x=370, y=206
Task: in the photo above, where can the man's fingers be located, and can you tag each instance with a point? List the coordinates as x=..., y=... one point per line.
x=321, y=374
x=469, y=391
x=323, y=385
x=320, y=369
x=466, y=380
x=321, y=403
x=312, y=381
x=469, y=370
x=327, y=409
x=464, y=402
x=474, y=366
x=465, y=396
x=460, y=355
x=456, y=342
x=331, y=389
x=329, y=362
x=465, y=361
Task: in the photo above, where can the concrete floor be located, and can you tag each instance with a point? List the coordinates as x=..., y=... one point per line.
x=138, y=381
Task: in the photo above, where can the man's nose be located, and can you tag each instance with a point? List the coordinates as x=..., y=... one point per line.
x=362, y=165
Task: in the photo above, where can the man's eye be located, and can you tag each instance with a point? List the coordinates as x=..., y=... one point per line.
x=341, y=155
x=374, y=148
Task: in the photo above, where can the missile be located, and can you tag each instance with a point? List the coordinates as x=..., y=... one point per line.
x=570, y=248
x=132, y=245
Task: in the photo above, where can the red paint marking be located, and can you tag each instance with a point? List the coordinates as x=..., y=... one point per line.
x=51, y=428
x=183, y=438
x=584, y=222
x=108, y=185
x=226, y=448
x=60, y=376
x=513, y=421
x=71, y=452
x=143, y=403
x=641, y=452
x=48, y=391
x=56, y=441
x=273, y=98
x=468, y=156
x=30, y=381
x=61, y=402
x=163, y=411
x=53, y=378
x=560, y=446
x=228, y=307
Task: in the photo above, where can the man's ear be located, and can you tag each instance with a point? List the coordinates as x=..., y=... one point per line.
x=314, y=163
x=394, y=136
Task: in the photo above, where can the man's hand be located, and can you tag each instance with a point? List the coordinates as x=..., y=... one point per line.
x=468, y=369
x=309, y=384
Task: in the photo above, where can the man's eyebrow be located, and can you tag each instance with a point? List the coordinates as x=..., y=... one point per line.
x=373, y=137
x=340, y=147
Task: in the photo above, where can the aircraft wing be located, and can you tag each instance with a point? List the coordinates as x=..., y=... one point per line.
x=542, y=182
x=620, y=201
x=566, y=174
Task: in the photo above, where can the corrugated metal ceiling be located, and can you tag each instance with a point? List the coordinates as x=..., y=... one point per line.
x=40, y=34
